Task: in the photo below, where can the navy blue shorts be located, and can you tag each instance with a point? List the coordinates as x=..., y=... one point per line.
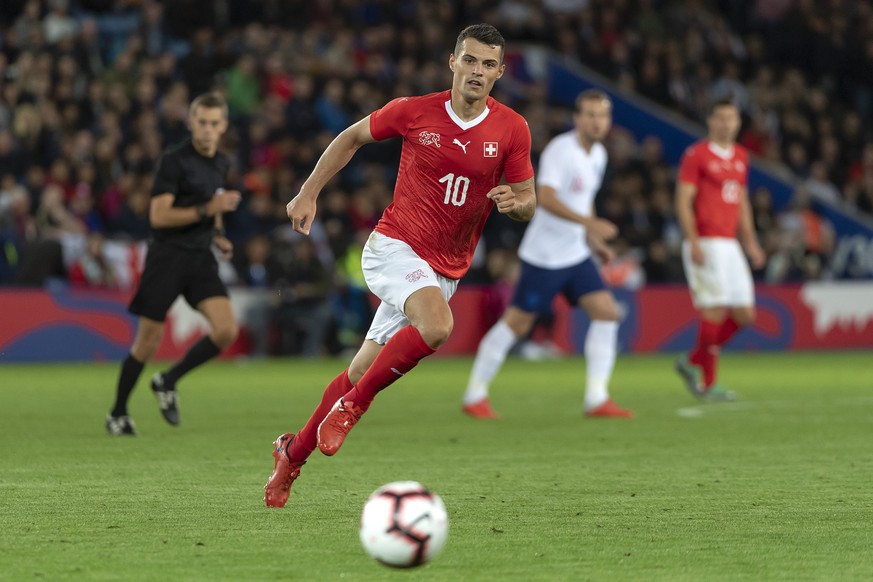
x=537, y=287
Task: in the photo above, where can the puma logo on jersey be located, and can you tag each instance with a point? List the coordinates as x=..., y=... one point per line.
x=429, y=138
x=463, y=146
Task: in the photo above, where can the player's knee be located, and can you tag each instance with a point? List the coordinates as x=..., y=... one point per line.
x=146, y=342
x=601, y=306
x=225, y=334
x=744, y=317
x=145, y=347
x=435, y=334
x=519, y=322
x=607, y=313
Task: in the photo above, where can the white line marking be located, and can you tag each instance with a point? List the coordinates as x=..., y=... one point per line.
x=701, y=409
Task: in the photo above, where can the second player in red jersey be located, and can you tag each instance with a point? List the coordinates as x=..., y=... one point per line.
x=463, y=153
x=712, y=206
x=720, y=177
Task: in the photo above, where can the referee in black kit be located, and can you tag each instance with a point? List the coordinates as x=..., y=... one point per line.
x=188, y=198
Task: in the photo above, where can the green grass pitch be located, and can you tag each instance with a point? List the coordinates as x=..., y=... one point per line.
x=777, y=486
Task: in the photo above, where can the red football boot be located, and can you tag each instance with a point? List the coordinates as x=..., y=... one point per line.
x=609, y=409
x=481, y=409
x=336, y=425
x=278, y=486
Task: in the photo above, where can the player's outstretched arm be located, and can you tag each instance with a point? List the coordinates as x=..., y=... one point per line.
x=301, y=210
x=599, y=227
x=517, y=200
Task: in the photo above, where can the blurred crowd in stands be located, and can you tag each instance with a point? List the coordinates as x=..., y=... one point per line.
x=91, y=91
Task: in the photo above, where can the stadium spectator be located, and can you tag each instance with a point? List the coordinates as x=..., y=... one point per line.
x=53, y=218
x=660, y=265
x=807, y=242
x=91, y=268
x=243, y=87
x=256, y=267
x=132, y=221
x=303, y=315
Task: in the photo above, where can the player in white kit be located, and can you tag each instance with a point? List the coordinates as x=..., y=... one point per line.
x=556, y=255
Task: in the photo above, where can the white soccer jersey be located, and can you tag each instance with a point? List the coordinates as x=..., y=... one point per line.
x=551, y=242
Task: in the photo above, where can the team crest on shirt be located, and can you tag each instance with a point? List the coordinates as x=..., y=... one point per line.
x=429, y=138
x=416, y=275
x=490, y=149
x=577, y=184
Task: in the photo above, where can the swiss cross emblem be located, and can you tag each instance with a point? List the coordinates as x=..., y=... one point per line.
x=490, y=149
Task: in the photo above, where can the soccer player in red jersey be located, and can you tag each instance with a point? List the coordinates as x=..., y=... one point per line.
x=712, y=205
x=458, y=146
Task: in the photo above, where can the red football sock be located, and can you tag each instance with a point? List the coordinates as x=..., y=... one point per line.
x=727, y=330
x=401, y=354
x=306, y=440
x=705, y=353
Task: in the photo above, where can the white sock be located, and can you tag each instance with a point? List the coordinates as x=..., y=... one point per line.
x=600, y=349
x=489, y=358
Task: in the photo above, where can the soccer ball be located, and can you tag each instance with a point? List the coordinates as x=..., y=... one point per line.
x=404, y=525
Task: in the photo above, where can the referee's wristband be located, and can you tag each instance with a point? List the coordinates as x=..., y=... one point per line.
x=201, y=212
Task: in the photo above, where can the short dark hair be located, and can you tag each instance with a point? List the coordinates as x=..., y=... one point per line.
x=591, y=95
x=484, y=33
x=211, y=100
x=723, y=102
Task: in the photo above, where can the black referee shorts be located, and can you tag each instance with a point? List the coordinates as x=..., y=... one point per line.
x=170, y=272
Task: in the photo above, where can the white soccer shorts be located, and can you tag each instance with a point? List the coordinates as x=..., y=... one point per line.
x=724, y=279
x=394, y=272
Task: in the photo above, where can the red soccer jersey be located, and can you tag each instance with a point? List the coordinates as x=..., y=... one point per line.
x=447, y=166
x=720, y=178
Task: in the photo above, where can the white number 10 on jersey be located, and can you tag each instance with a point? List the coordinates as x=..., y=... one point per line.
x=456, y=189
